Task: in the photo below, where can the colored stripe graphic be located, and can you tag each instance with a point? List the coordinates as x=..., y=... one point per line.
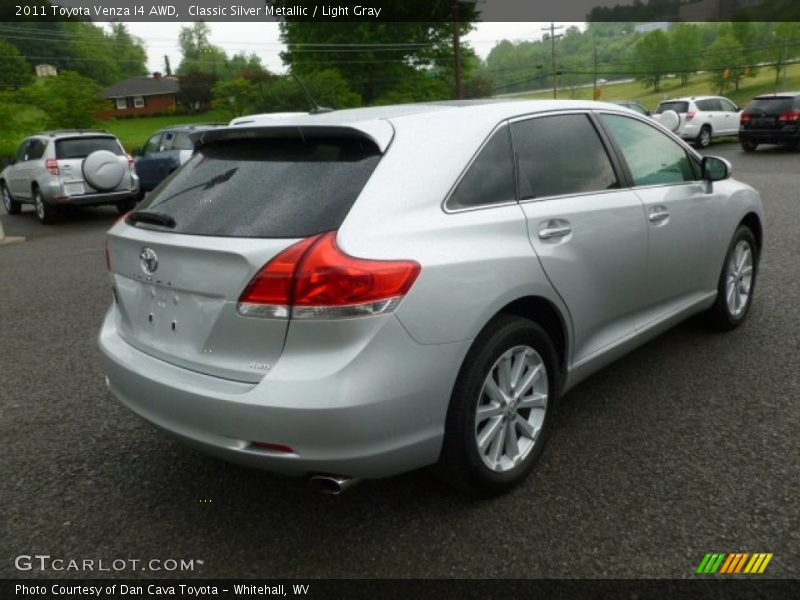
x=730, y=564
x=734, y=563
x=764, y=564
x=711, y=562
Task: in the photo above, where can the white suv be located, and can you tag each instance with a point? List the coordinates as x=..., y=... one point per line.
x=704, y=117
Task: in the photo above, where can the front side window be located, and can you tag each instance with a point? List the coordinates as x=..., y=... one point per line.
x=652, y=157
x=727, y=105
x=152, y=145
x=22, y=152
x=490, y=177
x=561, y=155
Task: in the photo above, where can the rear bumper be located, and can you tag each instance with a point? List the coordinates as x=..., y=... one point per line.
x=53, y=193
x=785, y=135
x=380, y=413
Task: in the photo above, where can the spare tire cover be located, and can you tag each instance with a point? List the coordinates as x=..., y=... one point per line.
x=669, y=119
x=104, y=170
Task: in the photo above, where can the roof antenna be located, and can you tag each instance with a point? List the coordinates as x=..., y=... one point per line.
x=316, y=109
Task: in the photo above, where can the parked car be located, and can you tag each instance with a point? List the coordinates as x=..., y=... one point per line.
x=634, y=106
x=704, y=118
x=771, y=119
x=69, y=168
x=360, y=293
x=165, y=151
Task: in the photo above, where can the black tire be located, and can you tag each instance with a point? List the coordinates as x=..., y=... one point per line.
x=749, y=145
x=46, y=213
x=12, y=206
x=460, y=463
x=126, y=206
x=703, y=139
x=721, y=315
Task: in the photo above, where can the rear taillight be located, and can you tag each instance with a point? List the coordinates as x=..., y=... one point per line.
x=51, y=164
x=314, y=279
x=745, y=118
x=689, y=116
x=131, y=163
x=790, y=117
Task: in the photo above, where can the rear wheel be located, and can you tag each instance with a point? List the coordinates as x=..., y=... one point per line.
x=736, y=281
x=12, y=206
x=501, y=408
x=44, y=212
x=749, y=145
x=704, y=137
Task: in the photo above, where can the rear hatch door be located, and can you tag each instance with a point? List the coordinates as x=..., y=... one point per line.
x=236, y=204
x=765, y=112
x=71, y=154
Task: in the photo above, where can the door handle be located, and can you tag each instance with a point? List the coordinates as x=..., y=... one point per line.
x=549, y=233
x=658, y=215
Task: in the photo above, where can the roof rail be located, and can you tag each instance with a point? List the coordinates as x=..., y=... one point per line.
x=55, y=132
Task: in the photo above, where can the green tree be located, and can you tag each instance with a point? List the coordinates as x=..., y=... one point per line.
x=69, y=100
x=376, y=58
x=652, y=53
x=685, y=43
x=199, y=54
x=725, y=63
x=15, y=71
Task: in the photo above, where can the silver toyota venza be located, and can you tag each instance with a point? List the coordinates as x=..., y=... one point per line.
x=363, y=292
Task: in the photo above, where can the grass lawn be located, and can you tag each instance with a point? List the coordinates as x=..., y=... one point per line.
x=133, y=133
x=698, y=85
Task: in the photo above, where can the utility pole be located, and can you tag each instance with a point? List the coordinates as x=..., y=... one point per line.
x=459, y=88
x=553, y=30
x=594, y=92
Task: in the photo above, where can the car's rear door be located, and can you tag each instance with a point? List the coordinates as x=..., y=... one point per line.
x=681, y=223
x=588, y=230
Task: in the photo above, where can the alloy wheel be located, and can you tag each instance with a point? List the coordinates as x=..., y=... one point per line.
x=739, y=278
x=511, y=408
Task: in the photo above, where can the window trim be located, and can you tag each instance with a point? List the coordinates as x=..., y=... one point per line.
x=448, y=197
x=611, y=151
x=691, y=154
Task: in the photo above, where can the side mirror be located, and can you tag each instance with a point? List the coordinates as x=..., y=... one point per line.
x=716, y=168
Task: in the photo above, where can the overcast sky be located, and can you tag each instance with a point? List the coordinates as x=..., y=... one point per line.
x=264, y=40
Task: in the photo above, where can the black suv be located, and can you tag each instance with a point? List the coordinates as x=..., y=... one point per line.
x=771, y=119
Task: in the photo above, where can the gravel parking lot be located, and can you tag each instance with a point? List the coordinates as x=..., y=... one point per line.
x=689, y=445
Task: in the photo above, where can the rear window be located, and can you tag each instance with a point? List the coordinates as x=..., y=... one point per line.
x=678, y=107
x=276, y=188
x=771, y=105
x=84, y=146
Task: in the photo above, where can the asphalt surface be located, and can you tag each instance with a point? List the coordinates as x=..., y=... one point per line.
x=690, y=444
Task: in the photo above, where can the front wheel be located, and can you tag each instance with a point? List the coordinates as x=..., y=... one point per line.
x=501, y=408
x=12, y=206
x=736, y=282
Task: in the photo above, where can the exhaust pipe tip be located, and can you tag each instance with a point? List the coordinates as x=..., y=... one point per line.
x=332, y=485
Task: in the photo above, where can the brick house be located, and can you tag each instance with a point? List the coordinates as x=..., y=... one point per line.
x=141, y=96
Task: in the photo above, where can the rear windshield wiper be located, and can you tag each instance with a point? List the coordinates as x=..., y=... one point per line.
x=151, y=218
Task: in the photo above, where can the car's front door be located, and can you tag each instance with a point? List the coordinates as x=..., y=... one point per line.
x=680, y=214
x=588, y=230
x=730, y=116
x=16, y=177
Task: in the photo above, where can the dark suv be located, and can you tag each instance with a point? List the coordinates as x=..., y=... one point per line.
x=771, y=119
x=165, y=151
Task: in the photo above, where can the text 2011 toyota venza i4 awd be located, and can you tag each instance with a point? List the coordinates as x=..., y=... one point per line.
x=360, y=293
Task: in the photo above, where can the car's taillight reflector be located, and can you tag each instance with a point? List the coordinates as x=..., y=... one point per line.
x=131, y=163
x=689, y=116
x=790, y=117
x=274, y=447
x=315, y=279
x=745, y=118
x=51, y=164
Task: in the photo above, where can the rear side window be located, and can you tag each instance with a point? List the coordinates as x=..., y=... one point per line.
x=490, y=177
x=84, y=146
x=182, y=142
x=709, y=104
x=653, y=158
x=561, y=155
x=273, y=188
x=678, y=107
x=771, y=105
x=36, y=149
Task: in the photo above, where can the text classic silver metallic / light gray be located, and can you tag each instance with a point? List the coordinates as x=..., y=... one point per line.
x=359, y=293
